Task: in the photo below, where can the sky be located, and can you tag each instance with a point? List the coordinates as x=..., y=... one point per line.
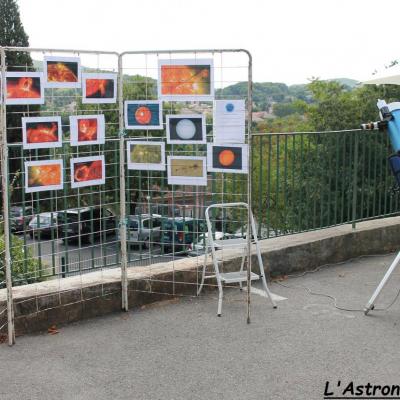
x=291, y=40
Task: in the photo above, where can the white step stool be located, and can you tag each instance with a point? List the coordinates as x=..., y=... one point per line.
x=238, y=276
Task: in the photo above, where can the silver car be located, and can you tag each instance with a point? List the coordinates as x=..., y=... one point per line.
x=44, y=224
x=143, y=228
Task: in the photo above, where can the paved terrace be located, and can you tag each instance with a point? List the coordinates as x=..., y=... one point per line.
x=179, y=349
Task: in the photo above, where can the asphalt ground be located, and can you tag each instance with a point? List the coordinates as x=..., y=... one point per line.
x=180, y=349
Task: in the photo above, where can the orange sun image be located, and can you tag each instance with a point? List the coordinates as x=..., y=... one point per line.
x=87, y=129
x=143, y=115
x=60, y=72
x=88, y=171
x=44, y=175
x=42, y=132
x=22, y=88
x=226, y=158
x=185, y=79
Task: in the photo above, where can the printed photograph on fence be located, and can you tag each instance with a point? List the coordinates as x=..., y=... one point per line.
x=87, y=171
x=229, y=122
x=186, y=80
x=146, y=114
x=148, y=156
x=62, y=72
x=227, y=158
x=87, y=129
x=186, y=129
x=43, y=175
x=186, y=170
x=24, y=88
x=41, y=132
x=99, y=88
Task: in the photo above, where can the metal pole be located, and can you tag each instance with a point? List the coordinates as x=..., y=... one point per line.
x=6, y=216
x=122, y=224
x=354, y=206
x=249, y=141
x=371, y=303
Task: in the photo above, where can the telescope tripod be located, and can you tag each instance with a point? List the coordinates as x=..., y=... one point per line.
x=371, y=303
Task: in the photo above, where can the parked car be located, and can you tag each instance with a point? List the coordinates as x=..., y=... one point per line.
x=86, y=223
x=20, y=217
x=179, y=233
x=43, y=225
x=143, y=228
x=197, y=248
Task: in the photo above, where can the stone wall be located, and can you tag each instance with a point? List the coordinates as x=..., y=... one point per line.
x=58, y=302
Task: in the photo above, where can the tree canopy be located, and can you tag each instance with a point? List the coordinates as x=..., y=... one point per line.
x=12, y=34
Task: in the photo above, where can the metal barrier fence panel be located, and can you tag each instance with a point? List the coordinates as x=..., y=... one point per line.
x=175, y=212
x=131, y=218
x=72, y=145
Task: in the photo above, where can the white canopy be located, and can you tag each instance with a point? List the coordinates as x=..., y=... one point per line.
x=390, y=76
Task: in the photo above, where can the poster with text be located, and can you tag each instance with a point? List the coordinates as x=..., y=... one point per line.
x=229, y=124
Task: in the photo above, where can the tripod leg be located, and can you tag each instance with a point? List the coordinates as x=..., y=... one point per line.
x=371, y=303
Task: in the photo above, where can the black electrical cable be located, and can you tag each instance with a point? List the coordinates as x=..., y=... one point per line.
x=310, y=292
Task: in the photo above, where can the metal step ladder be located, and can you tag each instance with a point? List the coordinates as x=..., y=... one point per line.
x=236, y=243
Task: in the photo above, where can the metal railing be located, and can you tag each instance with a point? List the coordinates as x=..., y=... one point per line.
x=312, y=180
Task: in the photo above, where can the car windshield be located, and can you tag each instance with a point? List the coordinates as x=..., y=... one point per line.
x=45, y=220
x=42, y=220
x=133, y=223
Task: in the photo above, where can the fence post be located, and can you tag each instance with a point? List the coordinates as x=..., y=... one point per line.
x=6, y=216
x=63, y=267
x=122, y=199
x=354, y=206
x=249, y=175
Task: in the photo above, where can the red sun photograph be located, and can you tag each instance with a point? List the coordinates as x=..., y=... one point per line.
x=87, y=171
x=41, y=132
x=99, y=88
x=87, y=129
x=62, y=72
x=24, y=88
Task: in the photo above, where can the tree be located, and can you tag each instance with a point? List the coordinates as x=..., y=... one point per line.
x=12, y=34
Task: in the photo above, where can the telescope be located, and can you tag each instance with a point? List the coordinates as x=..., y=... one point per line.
x=390, y=122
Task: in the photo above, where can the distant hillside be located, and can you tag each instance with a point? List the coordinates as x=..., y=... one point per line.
x=276, y=99
x=351, y=83
x=272, y=99
x=265, y=94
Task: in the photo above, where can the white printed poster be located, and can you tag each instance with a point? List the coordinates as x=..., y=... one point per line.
x=229, y=121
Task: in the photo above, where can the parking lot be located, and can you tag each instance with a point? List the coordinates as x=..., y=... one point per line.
x=66, y=258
